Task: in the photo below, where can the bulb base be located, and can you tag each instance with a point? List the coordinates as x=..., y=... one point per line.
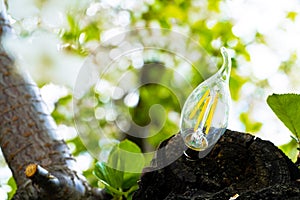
x=191, y=155
x=196, y=141
x=194, y=155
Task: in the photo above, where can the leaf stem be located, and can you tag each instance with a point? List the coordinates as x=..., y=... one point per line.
x=132, y=189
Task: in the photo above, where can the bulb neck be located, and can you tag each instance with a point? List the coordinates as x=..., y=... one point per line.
x=226, y=66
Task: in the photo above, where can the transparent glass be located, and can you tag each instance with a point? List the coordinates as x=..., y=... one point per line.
x=204, y=116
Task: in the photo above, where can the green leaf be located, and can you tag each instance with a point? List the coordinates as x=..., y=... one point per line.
x=287, y=109
x=108, y=175
x=100, y=171
x=134, y=161
x=129, y=193
x=112, y=190
x=127, y=157
x=130, y=180
x=290, y=149
x=122, y=170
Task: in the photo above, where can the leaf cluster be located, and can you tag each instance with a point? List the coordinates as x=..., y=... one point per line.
x=119, y=175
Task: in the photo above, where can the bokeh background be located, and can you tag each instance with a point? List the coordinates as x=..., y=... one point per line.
x=54, y=38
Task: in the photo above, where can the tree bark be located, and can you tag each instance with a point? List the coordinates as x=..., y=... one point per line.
x=28, y=136
x=239, y=166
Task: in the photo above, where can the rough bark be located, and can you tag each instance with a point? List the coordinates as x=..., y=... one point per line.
x=28, y=136
x=239, y=165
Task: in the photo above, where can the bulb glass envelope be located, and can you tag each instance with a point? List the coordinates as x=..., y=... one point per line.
x=204, y=116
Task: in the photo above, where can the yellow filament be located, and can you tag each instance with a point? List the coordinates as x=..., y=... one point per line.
x=201, y=113
x=199, y=104
x=211, y=114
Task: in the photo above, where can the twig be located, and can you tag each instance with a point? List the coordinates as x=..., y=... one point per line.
x=42, y=177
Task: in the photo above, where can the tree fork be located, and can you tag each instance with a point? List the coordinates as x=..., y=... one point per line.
x=28, y=135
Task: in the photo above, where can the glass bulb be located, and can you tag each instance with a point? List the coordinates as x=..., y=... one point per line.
x=204, y=115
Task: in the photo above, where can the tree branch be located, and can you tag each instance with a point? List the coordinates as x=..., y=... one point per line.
x=43, y=178
x=28, y=135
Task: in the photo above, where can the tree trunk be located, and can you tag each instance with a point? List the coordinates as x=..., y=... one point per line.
x=239, y=166
x=28, y=141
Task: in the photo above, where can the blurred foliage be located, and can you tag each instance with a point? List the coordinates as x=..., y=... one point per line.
x=11, y=182
x=235, y=84
x=250, y=124
x=163, y=97
x=61, y=113
x=76, y=35
x=292, y=15
x=205, y=22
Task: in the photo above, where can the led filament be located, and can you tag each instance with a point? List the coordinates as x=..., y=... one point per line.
x=204, y=115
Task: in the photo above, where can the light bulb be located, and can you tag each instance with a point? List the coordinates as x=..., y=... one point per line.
x=204, y=116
